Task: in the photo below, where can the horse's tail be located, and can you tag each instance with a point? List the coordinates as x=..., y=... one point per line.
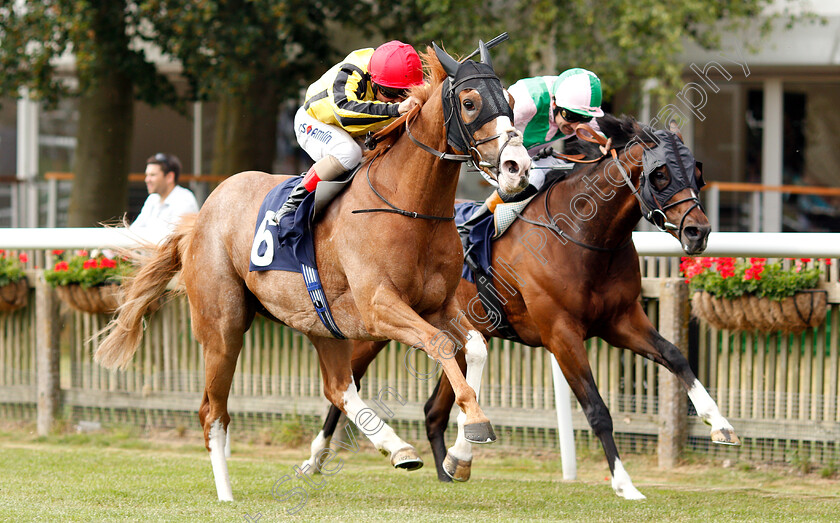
x=140, y=292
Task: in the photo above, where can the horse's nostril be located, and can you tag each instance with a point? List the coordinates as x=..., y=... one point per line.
x=512, y=167
x=692, y=233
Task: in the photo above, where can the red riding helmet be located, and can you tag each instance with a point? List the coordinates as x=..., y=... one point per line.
x=395, y=64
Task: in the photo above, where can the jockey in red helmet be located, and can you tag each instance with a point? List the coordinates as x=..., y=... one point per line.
x=361, y=94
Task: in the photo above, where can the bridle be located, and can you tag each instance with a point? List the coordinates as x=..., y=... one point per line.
x=652, y=210
x=457, y=131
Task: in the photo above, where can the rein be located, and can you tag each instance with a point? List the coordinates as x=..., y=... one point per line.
x=586, y=133
x=553, y=227
x=393, y=208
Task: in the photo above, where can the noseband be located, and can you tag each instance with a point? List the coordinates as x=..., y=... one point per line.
x=459, y=134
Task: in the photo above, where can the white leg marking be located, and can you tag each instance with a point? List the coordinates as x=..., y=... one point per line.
x=377, y=431
x=706, y=407
x=217, y=459
x=476, y=355
x=227, y=442
x=622, y=484
x=318, y=444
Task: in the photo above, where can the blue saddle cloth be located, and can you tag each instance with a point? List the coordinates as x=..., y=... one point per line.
x=287, y=246
x=480, y=238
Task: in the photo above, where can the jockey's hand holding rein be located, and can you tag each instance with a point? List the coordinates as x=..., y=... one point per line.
x=408, y=104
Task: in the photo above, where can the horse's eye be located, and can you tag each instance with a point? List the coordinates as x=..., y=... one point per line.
x=469, y=105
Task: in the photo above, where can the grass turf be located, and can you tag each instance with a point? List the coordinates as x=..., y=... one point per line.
x=118, y=476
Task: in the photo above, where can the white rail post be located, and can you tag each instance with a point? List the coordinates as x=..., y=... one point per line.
x=563, y=403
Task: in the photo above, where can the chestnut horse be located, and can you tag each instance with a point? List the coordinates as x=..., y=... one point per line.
x=584, y=281
x=386, y=275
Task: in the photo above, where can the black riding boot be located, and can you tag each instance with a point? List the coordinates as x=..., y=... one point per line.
x=293, y=202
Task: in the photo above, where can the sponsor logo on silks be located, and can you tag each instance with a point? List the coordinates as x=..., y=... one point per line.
x=318, y=134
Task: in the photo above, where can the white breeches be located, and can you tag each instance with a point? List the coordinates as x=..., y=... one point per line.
x=319, y=140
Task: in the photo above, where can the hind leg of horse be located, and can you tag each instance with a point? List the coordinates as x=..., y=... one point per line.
x=218, y=325
x=222, y=341
x=570, y=353
x=340, y=388
x=635, y=332
x=363, y=354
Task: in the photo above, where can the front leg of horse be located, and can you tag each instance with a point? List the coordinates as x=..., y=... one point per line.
x=394, y=319
x=569, y=351
x=458, y=461
x=340, y=388
x=635, y=332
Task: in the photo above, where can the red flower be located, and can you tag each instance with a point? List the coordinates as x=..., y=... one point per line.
x=726, y=267
x=58, y=252
x=61, y=266
x=828, y=261
x=107, y=263
x=805, y=260
x=23, y=257
x=89, y=264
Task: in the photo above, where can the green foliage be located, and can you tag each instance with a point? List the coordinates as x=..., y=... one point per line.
x=623, y=41
x=829, y=470
x=226, y=47
x=11, y=269
x=727, y=278
x=37, y=36
x=87, y=271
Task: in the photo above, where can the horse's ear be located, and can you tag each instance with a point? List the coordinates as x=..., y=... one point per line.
x=674, y=128
x=484, y=53
x=450, y=65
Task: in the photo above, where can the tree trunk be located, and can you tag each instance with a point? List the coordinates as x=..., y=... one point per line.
x=100, y=187
x=246, y=130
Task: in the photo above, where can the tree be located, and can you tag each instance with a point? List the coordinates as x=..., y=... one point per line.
x=249, y=56
x=110, y=74
x=623, y=41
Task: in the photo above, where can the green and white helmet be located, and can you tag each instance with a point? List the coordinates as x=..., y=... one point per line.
x=579, y=91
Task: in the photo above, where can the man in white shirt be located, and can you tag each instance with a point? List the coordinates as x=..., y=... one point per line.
x=167, y=200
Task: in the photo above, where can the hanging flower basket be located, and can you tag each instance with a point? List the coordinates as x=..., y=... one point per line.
x=14, y=296
x=803, y=310
x=88, y=284
x=14, y=288
x=756, y=296
x=100, y=299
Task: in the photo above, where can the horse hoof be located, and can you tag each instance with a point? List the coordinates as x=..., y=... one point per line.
x=310, y=468
x=457, y=469
x=631, y=493
x=725, y=437
x=406, y=459
x=479, y=432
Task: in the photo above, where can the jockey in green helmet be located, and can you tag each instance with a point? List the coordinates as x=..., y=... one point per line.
x=548, y=108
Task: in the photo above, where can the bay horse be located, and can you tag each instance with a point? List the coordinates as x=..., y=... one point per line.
x=566, y=285
x=386, y=275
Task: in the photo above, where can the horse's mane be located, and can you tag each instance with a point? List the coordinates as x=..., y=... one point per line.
x=622, y=129
x=435, y=75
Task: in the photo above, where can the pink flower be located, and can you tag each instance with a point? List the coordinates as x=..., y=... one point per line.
x=23, y=257
x=81, y=252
